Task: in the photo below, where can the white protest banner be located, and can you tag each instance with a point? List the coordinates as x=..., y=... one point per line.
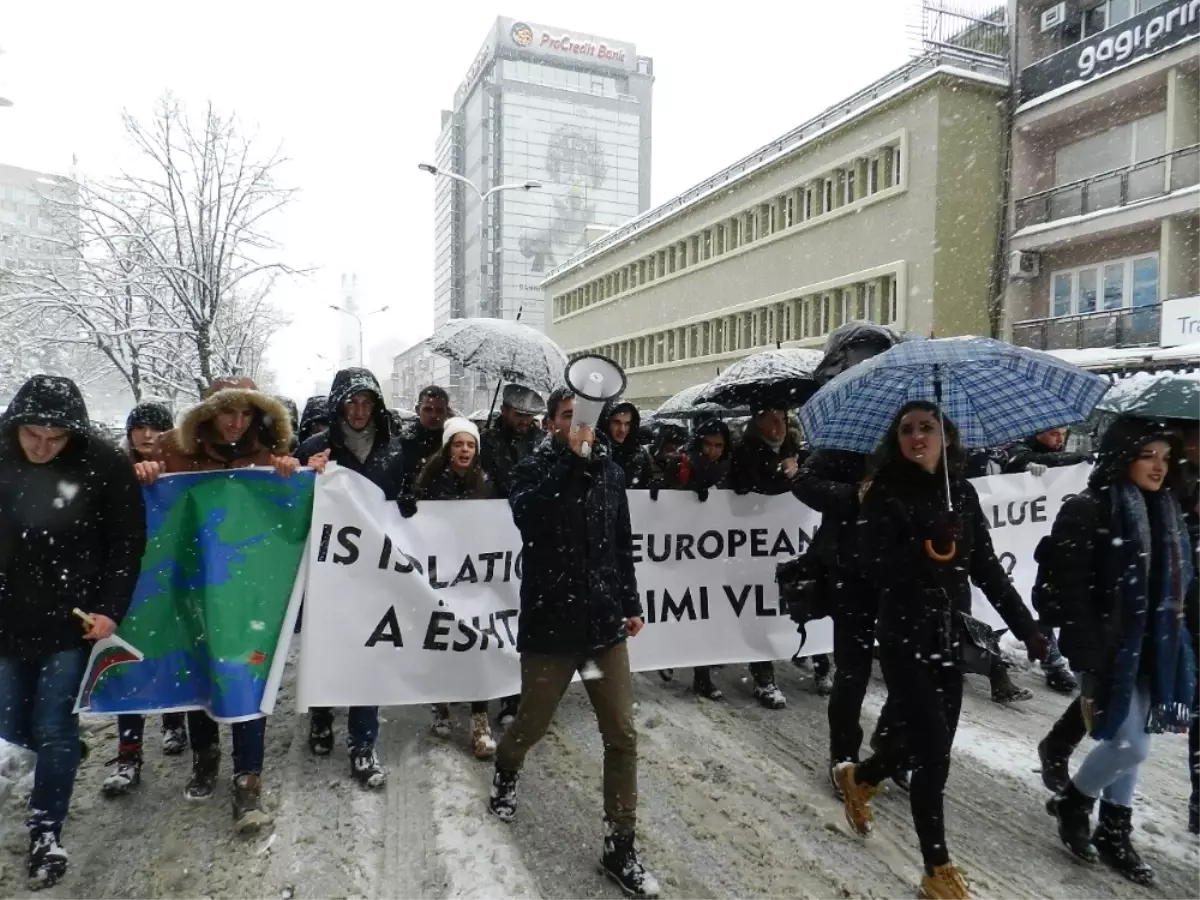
x=425, y=609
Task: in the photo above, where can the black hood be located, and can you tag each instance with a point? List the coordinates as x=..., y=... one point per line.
x=347, y=383
x=665, y=432
x=293, y=413
x=635, y=423
x=1122, y=443
x=50, y=401
x=149, y=415
x=706, y=428
x=869, y=338
x=316, y=411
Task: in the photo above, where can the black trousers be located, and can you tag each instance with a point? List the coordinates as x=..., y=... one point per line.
x=854, y=605
x=924, y=698
x=1069, y=730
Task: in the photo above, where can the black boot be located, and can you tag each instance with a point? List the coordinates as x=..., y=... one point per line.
x=621, y=864
x=503, y=799
x=1073, y=809
x=206, y=764
x=1054, y=756
x=703, y=686
x=320, y=732
x=1114, y=846
x=47, y=858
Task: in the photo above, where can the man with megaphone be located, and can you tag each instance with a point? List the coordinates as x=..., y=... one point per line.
x=579, y=604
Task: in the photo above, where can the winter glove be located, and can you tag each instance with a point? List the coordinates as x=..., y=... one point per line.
x=408, y=506
x=1037, y=647
x=1036, y=469
x=702, y=494
x=654, y=494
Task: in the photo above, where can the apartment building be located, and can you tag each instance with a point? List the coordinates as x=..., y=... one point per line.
x=1104, y=212
x=885, y=207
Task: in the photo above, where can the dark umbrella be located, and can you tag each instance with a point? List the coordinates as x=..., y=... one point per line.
x=683, y=407
x=1168, y=395
x=773, y=379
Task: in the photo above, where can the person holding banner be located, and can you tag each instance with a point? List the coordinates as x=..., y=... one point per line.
x=1116, y=575
x=72, y=534
x=234, y=426
x=456, y=474
x=579, y=603
x=145, y=423
x=921, y=557
x=424, y=437
x=621, y=424
x=360, y=438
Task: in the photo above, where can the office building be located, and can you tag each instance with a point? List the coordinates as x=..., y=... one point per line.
x=542, y=104
x=1104, y=210
x=884, y=207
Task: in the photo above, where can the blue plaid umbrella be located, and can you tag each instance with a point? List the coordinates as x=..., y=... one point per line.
x=994, y=392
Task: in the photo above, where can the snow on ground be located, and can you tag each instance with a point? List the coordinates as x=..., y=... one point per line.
x=734, y=802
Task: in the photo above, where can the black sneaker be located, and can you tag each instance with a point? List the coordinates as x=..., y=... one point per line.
x=666, y=674
x=823, y=684
x=621, y=864
x=503, y=799
x=320, y=734
x=175, y=739
x=1113, y=844
x=47, y=858
x=1073, y=809
x=1005, y=691
x=206, y=764
x=769, y=696
x=128, y=772
x=703, y=686
x=508, y=710
x=1060, y=679
x=1056, y=773
x=365, y=768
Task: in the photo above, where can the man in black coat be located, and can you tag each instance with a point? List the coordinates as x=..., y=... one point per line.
x=579, y=603
x=621, y=424
x=359, y=437
x=315, y=417
x=72, y=534
x=513, y=437
x=424, y=437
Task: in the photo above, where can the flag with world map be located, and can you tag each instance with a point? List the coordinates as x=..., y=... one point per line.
x=207, y=618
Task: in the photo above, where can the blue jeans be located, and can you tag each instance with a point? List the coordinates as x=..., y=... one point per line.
x=249, y=739
x=37, y=703
x=362, y=724
x=1110, y=769
x=1054, y=658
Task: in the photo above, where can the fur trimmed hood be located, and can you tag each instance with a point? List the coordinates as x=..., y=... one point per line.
x=273, y=422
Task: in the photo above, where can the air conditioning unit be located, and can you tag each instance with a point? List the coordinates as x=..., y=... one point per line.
x=1054, y=17
x=1024, y=264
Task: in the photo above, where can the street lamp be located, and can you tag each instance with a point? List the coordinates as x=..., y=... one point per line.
x=362, y=359
x=483, y=196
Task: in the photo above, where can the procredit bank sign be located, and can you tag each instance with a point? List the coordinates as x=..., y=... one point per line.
x=544, y=40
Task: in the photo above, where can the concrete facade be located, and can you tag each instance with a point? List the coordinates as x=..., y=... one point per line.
x=1103, y=223
x=885, y=207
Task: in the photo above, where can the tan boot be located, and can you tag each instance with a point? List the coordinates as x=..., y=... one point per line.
x=248, y=814
x=946, y=883
x=481, y=736
x=856, y=797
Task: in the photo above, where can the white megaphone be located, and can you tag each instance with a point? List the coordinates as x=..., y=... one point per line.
x=595, y=380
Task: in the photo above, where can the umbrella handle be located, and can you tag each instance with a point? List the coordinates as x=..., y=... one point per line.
x=941, y=557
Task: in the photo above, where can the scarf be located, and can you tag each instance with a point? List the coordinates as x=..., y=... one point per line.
x=360, y=443
x=774, y=445
x=1173, y=679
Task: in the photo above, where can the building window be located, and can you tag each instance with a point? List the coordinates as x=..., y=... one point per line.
x=849, y=185
x=827, y=196
x=808, y=203
x=708, y=243
x=769, y=218
x=720, y=239
x=873, y=175
x=789, y=210
x=1118, y=284
x=734, y=233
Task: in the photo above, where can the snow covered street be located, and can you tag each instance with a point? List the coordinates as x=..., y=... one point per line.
x=734, y=802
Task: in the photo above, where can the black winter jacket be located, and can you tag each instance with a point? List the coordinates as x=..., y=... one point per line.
x=1078, y=585
x=501, y=449
x=1031, y=451
x=578, y=583
x=918, y=595
x=316, y=412
x=828, y=483
x=418, y=444
x=72, y=531
x=384, y=465
x=633, y=458
x=691, y=471
x=448, y=485
x=755, y=468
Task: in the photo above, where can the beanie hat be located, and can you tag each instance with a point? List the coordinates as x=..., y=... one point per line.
x=149, y=415
x=459, y=425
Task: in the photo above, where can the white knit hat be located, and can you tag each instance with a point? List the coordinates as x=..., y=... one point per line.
x=458, y=425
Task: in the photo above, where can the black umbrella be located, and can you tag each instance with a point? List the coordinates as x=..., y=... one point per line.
x=773, y=379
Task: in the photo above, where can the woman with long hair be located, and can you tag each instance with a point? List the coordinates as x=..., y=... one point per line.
x=921, y=557
x=1116, y=577
x=455, y=473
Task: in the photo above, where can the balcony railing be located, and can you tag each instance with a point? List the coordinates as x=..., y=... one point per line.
x=1110, y=328
x=1155, y=177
